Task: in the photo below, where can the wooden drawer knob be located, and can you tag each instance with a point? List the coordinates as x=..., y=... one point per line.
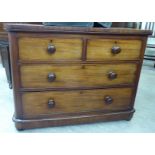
x=115, y=49
x=51, y=77
x=108, y=99
x=51, y=49
x=51, y=103
x=112, y=75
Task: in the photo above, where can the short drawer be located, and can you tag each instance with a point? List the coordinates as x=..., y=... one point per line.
x=113, y=49
x=77, y=75
x=41, y=104
x=49, y=49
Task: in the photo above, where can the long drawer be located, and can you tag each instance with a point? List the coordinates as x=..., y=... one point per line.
x=41, y=104
x=77, y=75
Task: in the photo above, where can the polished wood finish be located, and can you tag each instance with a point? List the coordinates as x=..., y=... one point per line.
x=75, y=30
x=36, y=104
x=38, y=49
x=95, y=79
x=112, y=49
x=15, y=74
x=76, y=75
x=22, y=124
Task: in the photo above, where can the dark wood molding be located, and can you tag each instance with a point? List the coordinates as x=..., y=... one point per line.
x=25, y=62
x=79, y=36
x=64, y=114
x=15, y=74
x=70, y=120
x=74, y=30
x=75, y=88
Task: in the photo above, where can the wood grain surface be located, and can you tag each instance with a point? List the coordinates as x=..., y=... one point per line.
x=86, y=117
x=36, y=103
x=100, y=49
x=75, y=30
x=72, y=84
x=36, y=49
x=76, y=75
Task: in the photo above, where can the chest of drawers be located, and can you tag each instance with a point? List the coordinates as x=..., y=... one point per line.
x=66, y=75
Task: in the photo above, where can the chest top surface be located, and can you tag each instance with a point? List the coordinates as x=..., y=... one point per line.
x=80, y=30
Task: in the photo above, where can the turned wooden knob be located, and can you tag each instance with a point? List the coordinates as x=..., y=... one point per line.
x=115, y=49
x=51, y=49
x=51, y=103
x=112, y=75
x=108, y=99
x=51, y=77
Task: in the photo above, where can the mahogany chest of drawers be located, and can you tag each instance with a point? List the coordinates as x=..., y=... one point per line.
x=69, y=75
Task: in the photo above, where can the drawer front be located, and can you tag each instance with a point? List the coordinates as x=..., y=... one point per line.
x=50, y=49
x=59, y=102
x=77, y=75
x=110, y=49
